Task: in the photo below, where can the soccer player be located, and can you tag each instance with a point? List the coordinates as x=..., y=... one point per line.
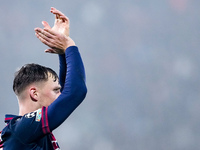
x=45, y=101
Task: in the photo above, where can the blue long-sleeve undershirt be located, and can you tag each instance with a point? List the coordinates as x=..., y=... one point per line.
x=73, y=91
x=33, y=130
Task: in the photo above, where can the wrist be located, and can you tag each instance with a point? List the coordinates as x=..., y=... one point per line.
x=69, y=43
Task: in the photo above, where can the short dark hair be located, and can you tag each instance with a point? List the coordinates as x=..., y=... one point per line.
x=31, y=73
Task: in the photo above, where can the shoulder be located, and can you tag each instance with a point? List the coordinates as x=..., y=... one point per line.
x=25, y=127
x=29, y=120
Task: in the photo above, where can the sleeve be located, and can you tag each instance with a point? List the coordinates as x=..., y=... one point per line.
x=31, y=126
x=62, y=70
x=74, y=90
x=41, y=122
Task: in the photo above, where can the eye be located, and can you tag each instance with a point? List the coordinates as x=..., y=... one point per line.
x=57, y=90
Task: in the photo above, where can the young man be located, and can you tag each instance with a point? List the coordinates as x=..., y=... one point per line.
x=45, y=102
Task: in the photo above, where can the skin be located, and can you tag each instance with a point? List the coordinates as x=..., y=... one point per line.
x=37, y=95
x=48, y=91
x=57, y=37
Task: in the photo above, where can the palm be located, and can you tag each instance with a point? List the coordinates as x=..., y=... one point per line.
x=61, y=23
x=61, y=26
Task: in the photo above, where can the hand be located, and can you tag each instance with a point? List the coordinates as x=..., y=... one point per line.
x=57, y=37
x=61, y=23
x=57, y=42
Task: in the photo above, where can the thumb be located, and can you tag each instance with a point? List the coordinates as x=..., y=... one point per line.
x=46, y=25
x=50, y=51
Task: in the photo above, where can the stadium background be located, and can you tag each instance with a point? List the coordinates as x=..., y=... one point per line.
x=142, y=64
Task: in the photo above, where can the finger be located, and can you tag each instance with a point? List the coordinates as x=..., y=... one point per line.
x=38, y=29
x=57, y=16
x=43, y=33
x=46, y=25
x=39, y=37
x=45, y=36
x=58, y=13
x=64, y=18
x=55, y=11
x=50, y=51
x=44, y=40
x=50, y=32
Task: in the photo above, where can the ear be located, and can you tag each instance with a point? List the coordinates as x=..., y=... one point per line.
x=33, y=94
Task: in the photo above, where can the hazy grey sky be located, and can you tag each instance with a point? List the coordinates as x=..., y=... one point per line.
x=142, y=65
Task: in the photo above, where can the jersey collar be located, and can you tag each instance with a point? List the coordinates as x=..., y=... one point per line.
x=9, y=117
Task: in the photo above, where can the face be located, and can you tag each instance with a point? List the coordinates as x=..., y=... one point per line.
x=49, y=91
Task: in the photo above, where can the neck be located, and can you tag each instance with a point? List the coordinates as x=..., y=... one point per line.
x=27, y=106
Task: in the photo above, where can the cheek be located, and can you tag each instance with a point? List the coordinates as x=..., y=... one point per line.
x=47, y=98
x=53, y=96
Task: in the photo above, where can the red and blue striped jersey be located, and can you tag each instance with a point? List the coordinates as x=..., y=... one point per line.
x=28, y=132
x=33, y=131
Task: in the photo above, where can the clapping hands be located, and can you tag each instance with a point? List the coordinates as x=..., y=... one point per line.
x=56, y=38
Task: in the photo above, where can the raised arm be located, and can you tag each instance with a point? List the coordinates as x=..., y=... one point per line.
x=61, y=26
x=47, y=118
x=74, y=90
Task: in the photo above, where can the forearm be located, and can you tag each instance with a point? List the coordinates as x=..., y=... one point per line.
x=62, y=70
x=74, y=89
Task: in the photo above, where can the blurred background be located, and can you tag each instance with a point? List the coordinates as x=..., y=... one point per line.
x=142, y=65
